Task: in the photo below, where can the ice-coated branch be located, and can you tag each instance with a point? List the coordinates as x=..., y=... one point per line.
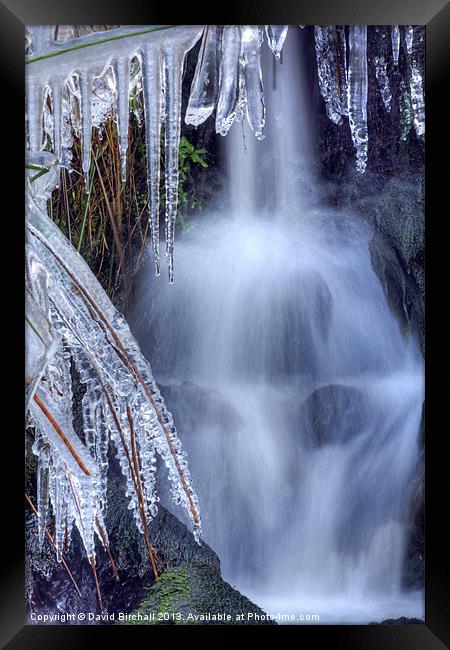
x=122, y=402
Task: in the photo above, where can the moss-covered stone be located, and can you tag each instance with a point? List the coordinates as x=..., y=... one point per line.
x=195, y=594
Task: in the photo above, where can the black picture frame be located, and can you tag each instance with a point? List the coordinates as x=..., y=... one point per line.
x=435, y=14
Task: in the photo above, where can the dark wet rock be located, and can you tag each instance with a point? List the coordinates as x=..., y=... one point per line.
x=414, y=566
x=334, y=414
x=399, y=621
x=49, y=588
x=196, y=594
x=199, y=406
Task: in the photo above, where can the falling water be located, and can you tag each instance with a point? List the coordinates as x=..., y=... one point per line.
x=297, y=395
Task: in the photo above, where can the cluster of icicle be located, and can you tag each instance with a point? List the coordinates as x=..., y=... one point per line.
x=343, y=80
x=85, y=85
x=71, y=325
x=228, y=76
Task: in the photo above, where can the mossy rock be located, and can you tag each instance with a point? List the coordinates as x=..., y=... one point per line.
x=195, y=594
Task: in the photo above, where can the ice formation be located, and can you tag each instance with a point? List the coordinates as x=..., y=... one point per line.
x=415, y=80
x=205, y=84
x=74, y=324
x=395, y=36
x=276, y=35
x=345, y=87
x=357, y=92
x=72, y=69
x=331, y=70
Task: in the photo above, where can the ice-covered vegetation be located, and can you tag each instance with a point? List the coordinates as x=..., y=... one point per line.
x=71, y=326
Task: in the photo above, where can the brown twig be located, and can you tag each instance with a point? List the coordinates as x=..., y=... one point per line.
x=141, y=493
x=108, y=550
x=97, y=586
x=60, y=432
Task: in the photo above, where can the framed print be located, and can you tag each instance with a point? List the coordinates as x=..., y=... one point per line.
x=226, y=324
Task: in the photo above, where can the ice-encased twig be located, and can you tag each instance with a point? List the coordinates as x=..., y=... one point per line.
x=205, y=84
x=98, y=338
x=357, y=92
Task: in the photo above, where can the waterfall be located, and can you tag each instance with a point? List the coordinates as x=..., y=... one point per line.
x=296, y=395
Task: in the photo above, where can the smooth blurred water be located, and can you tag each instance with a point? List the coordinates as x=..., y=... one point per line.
x=294, y=392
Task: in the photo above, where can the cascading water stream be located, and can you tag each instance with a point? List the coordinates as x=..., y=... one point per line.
x=298, y=398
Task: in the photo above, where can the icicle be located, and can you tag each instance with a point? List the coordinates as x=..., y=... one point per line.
x=252, y=37
x=56, y=92
x=383, y=81
x=205, y=84
x=152, y=72
x=342, y=69
x=42, y=450
x=406, y=113
x=328, y=69
x=122, y=73
x=35, y=106
x=57, y=493
x=229, y=79
x=380, y=64
x=417, y=100
x=173, y=67
x=357, y=92
x=409, y=37
x=276, y=35
x=85, y=81
x=417, y=103
x=395, y=36
x=101, y=451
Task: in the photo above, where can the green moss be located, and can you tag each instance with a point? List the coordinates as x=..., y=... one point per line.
x=188, y=595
